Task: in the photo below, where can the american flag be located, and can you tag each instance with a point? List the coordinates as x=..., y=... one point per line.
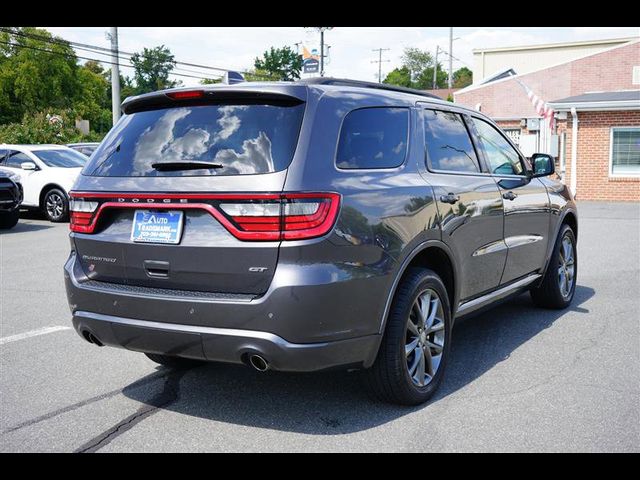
x=542, y=108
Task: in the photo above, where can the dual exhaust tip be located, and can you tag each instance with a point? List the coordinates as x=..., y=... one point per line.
x=258, y=362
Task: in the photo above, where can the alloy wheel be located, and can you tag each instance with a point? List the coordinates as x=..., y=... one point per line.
x=425, y=337
x=566, y=267
x=54, y=205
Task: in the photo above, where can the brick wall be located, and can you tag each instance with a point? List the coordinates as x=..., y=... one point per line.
x=594, y=136
x=606, y=71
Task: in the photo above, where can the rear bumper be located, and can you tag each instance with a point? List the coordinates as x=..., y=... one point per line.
x=223, y=344
x=308, y=320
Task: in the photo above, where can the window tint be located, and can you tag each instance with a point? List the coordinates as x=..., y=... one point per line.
x=244, y=139
x=2, y=154
x=61, y=158
x=15, y=159
x=373, y=138
x=502, y=158
x=625, y=151
x=448, y=144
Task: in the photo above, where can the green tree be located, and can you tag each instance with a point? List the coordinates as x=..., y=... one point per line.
x=94, y=99
x=37, y=71
x=416, y=71
x=425, y=78
x=280, y=64
x=152, y=67
x=48, y=126
x=462, y=77
x=399, y=76
x=210, y=81
x=416, y=61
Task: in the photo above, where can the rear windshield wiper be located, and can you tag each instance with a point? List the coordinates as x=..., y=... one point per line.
x=184, y=165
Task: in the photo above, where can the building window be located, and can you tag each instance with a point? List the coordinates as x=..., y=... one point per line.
x=625, y=151
x=513, y=134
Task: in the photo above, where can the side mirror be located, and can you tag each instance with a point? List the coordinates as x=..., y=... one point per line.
x=28, y=166
x=543, y=164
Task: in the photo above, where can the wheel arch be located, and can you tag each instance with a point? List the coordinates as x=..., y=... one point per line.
x=432, y=254
x=48, y=187
x=568, y=217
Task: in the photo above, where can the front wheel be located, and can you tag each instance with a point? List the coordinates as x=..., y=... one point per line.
x=559, y=283
x=56, y=205
x=415, y=347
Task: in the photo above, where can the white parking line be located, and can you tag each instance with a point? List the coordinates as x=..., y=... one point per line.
x=32, y=333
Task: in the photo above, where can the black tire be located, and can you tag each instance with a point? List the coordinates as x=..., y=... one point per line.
x=173, y=362
x=9, y=219
x=389, y=379
x=55, y=205
x=549, y=294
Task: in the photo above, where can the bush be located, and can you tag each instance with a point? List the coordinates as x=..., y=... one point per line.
x=45, y=127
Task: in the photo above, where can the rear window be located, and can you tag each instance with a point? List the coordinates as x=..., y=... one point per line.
x=373, y=138
x=242, y=139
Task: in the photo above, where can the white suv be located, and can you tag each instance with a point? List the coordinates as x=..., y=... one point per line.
x=46, y=173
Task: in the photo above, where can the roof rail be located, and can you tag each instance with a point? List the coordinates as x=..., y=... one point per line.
x=360, y=83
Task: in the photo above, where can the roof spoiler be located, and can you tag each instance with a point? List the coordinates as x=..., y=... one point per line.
x=209, y=96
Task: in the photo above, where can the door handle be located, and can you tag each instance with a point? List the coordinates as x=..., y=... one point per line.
x=509, y=196
x=449, y=198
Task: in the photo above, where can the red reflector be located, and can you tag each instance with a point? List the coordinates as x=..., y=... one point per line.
x=81, y=222
x=186, y=95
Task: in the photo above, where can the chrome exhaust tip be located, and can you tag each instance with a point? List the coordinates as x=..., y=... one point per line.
x=258, y=362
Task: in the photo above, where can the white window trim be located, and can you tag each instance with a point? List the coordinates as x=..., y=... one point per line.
x=619, y=175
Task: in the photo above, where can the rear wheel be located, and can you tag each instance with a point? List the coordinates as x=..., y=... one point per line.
x=9, y=219
x=559, y=283
x=416, y=343
x=173, y=362
x=56, y=205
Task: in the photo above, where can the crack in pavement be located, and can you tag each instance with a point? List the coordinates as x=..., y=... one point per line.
x=137, y=384
x=169, y=394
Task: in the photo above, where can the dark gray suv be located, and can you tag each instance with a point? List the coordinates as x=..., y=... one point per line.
x=311, y=225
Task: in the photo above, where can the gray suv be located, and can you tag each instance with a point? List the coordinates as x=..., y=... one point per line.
x=312, y=225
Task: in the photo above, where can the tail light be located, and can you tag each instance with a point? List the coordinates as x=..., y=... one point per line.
x=251, y=217
x=81, y=215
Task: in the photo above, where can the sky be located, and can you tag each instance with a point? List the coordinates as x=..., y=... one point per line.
x=351, y=48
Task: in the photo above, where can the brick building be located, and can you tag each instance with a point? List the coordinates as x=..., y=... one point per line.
x=596, y=99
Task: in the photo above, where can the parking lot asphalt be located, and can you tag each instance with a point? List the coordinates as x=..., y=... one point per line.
x=520, y=378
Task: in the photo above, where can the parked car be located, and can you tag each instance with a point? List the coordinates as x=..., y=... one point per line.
x=10, y=200
x=311, y=225
x=46, y=172
x=86, y=148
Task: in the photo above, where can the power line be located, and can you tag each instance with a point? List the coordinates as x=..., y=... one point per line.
x=103, y=49
x=67, y=55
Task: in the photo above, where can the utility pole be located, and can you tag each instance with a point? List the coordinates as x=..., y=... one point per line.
x=115, y=75
x=379, y=61
x=450, y=83
x=322, y=55
x=435, y=67
x=321, y=52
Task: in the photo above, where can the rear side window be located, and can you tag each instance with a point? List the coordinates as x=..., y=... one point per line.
x=61, y=158
x=241, y=139
x=373, y=138
x=448, y=144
